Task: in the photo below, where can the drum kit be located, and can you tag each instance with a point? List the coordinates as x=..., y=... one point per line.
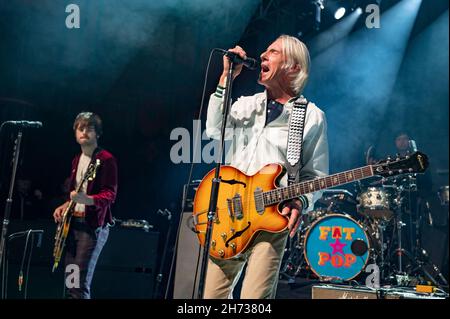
x=346, y=237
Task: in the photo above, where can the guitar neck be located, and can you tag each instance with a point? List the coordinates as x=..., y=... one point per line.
x=281, y=194
x=72, y=204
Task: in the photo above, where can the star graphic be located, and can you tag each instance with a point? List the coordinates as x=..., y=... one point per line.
x=337, y=247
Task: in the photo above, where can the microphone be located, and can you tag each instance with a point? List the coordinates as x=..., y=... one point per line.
x=250, y=63
x=31, y=124
x=413, y=146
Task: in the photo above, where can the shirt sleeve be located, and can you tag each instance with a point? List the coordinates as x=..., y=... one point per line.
x=214, y=117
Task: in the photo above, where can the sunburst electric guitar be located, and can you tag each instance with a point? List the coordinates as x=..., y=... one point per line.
x=62, y=230
x=247, y=205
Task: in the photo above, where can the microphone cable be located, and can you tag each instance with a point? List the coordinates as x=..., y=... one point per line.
x=21, y=277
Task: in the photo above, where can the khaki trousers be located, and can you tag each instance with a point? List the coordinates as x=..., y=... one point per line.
x=263, y=260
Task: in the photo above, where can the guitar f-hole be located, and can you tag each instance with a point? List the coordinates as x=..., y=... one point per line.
x=237, y=234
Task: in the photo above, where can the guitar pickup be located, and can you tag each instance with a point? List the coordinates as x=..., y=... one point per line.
x=230, y=208
x=237, y=206
x=259, y=200
x=234, y=206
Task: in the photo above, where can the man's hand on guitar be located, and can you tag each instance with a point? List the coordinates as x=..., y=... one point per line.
x=81, y=198
x=57, y=214
x=293, y=209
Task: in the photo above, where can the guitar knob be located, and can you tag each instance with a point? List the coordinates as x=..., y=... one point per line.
x=224, y=236
x=221, y=253
x=213, y=244
x=233, y=246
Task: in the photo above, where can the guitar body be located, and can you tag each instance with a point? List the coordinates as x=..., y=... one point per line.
x=230, y=220
x=62, y=231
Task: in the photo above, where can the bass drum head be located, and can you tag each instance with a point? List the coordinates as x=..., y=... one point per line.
x=336, y=247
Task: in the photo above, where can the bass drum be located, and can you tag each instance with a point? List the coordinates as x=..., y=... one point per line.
x=336, y=247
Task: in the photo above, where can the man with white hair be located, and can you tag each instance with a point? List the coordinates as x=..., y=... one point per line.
x=258, y=127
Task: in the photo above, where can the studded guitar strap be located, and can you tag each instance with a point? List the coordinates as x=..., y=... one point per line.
x=295, y=139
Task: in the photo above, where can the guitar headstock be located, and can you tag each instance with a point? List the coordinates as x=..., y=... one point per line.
x=416, y=162
x=92, y=170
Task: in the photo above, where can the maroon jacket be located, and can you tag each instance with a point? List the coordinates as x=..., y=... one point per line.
x=103, y=188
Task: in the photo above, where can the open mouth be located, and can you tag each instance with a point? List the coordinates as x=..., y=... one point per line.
x=264, y=68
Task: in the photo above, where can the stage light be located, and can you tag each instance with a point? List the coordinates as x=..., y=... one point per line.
x=339, y=13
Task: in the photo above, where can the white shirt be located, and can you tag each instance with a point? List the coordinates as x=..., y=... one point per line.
x=254, y=144
x=83, y=164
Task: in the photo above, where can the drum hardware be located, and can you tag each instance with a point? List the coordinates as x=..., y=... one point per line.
x=385, y=247
x=376, y=228
x=443, y=195
x=337, y=201
x=411, y=272
x=295, y=263
x=375, y=202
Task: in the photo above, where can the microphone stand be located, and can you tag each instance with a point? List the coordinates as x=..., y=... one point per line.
x=215, y=183
x=9, y=200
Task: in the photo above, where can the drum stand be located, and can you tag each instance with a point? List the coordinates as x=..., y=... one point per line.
x=420, y=258
x=379, y=251
x=381, y=228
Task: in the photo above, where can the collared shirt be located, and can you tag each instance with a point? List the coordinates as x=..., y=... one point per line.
x=274, y=110
x=255, y=144
x=82, y=167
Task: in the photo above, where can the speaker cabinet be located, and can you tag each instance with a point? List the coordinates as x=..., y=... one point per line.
x=187, y=262
x=127, y=265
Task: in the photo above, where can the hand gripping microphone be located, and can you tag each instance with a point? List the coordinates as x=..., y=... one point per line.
x=250, y=63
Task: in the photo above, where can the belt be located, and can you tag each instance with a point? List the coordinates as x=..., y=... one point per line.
x=79, y=214
x=79, y=219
